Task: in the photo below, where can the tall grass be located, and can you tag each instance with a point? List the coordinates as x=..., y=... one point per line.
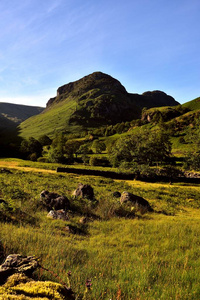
x=152, y=256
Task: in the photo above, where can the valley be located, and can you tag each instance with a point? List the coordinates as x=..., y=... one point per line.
x=137, y=236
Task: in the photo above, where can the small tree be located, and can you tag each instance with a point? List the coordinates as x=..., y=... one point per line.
x=98, y=146
x=72, y=148
x=145, y=147
x=55, y=155
x=30, y=146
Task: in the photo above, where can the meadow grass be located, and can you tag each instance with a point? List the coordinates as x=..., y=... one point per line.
x=151, y=256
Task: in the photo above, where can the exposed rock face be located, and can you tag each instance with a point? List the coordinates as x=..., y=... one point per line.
x=160, y=97
x=166, y=114
x=138, y=201
x=54, y=201
x=101, y=99
x=84, y=191
x=58, y=214
x=16, y=263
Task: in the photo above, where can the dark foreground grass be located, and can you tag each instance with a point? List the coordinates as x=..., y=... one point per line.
x=151, y=256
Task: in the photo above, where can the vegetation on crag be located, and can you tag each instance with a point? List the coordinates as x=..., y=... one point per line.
x=93, y=101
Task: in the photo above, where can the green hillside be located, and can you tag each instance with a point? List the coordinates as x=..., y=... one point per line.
x=193, y=105
x=50, y=122
x=93, y=101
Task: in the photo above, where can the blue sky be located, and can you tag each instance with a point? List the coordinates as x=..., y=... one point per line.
x=145, y=44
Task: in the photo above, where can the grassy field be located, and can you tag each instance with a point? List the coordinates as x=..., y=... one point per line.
x=146, y=256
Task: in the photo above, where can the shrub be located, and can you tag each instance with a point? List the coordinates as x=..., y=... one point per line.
x=33, y=156
x=99, y=161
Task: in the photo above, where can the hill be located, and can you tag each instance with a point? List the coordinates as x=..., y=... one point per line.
x=92, y=101
x=12, y=115
x=193, y=104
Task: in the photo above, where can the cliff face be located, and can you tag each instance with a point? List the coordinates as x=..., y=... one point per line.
x=101, y=99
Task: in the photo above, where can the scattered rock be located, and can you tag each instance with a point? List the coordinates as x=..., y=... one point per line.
x=16, y=263
x=58, y=214
x=54, y=201
x=84, y=191
x=135, y=200
x=117, y=194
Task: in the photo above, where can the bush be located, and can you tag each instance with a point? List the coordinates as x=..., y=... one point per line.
x=99, y=161
x=33, y=156
x=192, y=161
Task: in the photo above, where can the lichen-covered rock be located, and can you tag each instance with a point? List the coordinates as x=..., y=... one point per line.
x=20, y=287
x=16, y=263
x=54, y=201
x=137, y=201
x=58, y=214
x=84, y=191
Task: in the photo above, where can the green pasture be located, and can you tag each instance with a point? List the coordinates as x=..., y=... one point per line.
x=134, y=256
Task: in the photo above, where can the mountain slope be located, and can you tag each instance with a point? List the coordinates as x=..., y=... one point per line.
x=13, y=114
x=92, y=101
x=193, y=104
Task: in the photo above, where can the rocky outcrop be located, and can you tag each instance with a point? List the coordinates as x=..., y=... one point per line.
x=58, y=214
x=16, y=281
x=84, y=191
x=54, y=201
x=135, y=200
x=159, y=98
x=167, y=113
x=16, y=263
x=101, y=99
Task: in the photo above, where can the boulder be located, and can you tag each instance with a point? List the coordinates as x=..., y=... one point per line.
x=84, y=191
x=58, y=214
x=137, y=201
x=54, y=201
x=19, y=286
x=16, y=263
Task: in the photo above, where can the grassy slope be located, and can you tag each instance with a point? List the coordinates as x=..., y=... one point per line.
x=58, y=119
x=154, y=256
x=193, y=105
x=52, y=121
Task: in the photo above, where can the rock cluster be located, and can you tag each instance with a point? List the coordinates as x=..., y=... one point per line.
x=16, y=263
x=54, y=201
x=16, y=281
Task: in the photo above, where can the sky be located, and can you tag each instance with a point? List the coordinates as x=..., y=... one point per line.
x=145, y=44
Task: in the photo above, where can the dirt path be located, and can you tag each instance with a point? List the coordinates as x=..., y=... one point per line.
x=135, y=183
x=15, y=165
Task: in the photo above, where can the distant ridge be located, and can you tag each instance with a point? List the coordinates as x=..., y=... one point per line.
x=13, y=114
